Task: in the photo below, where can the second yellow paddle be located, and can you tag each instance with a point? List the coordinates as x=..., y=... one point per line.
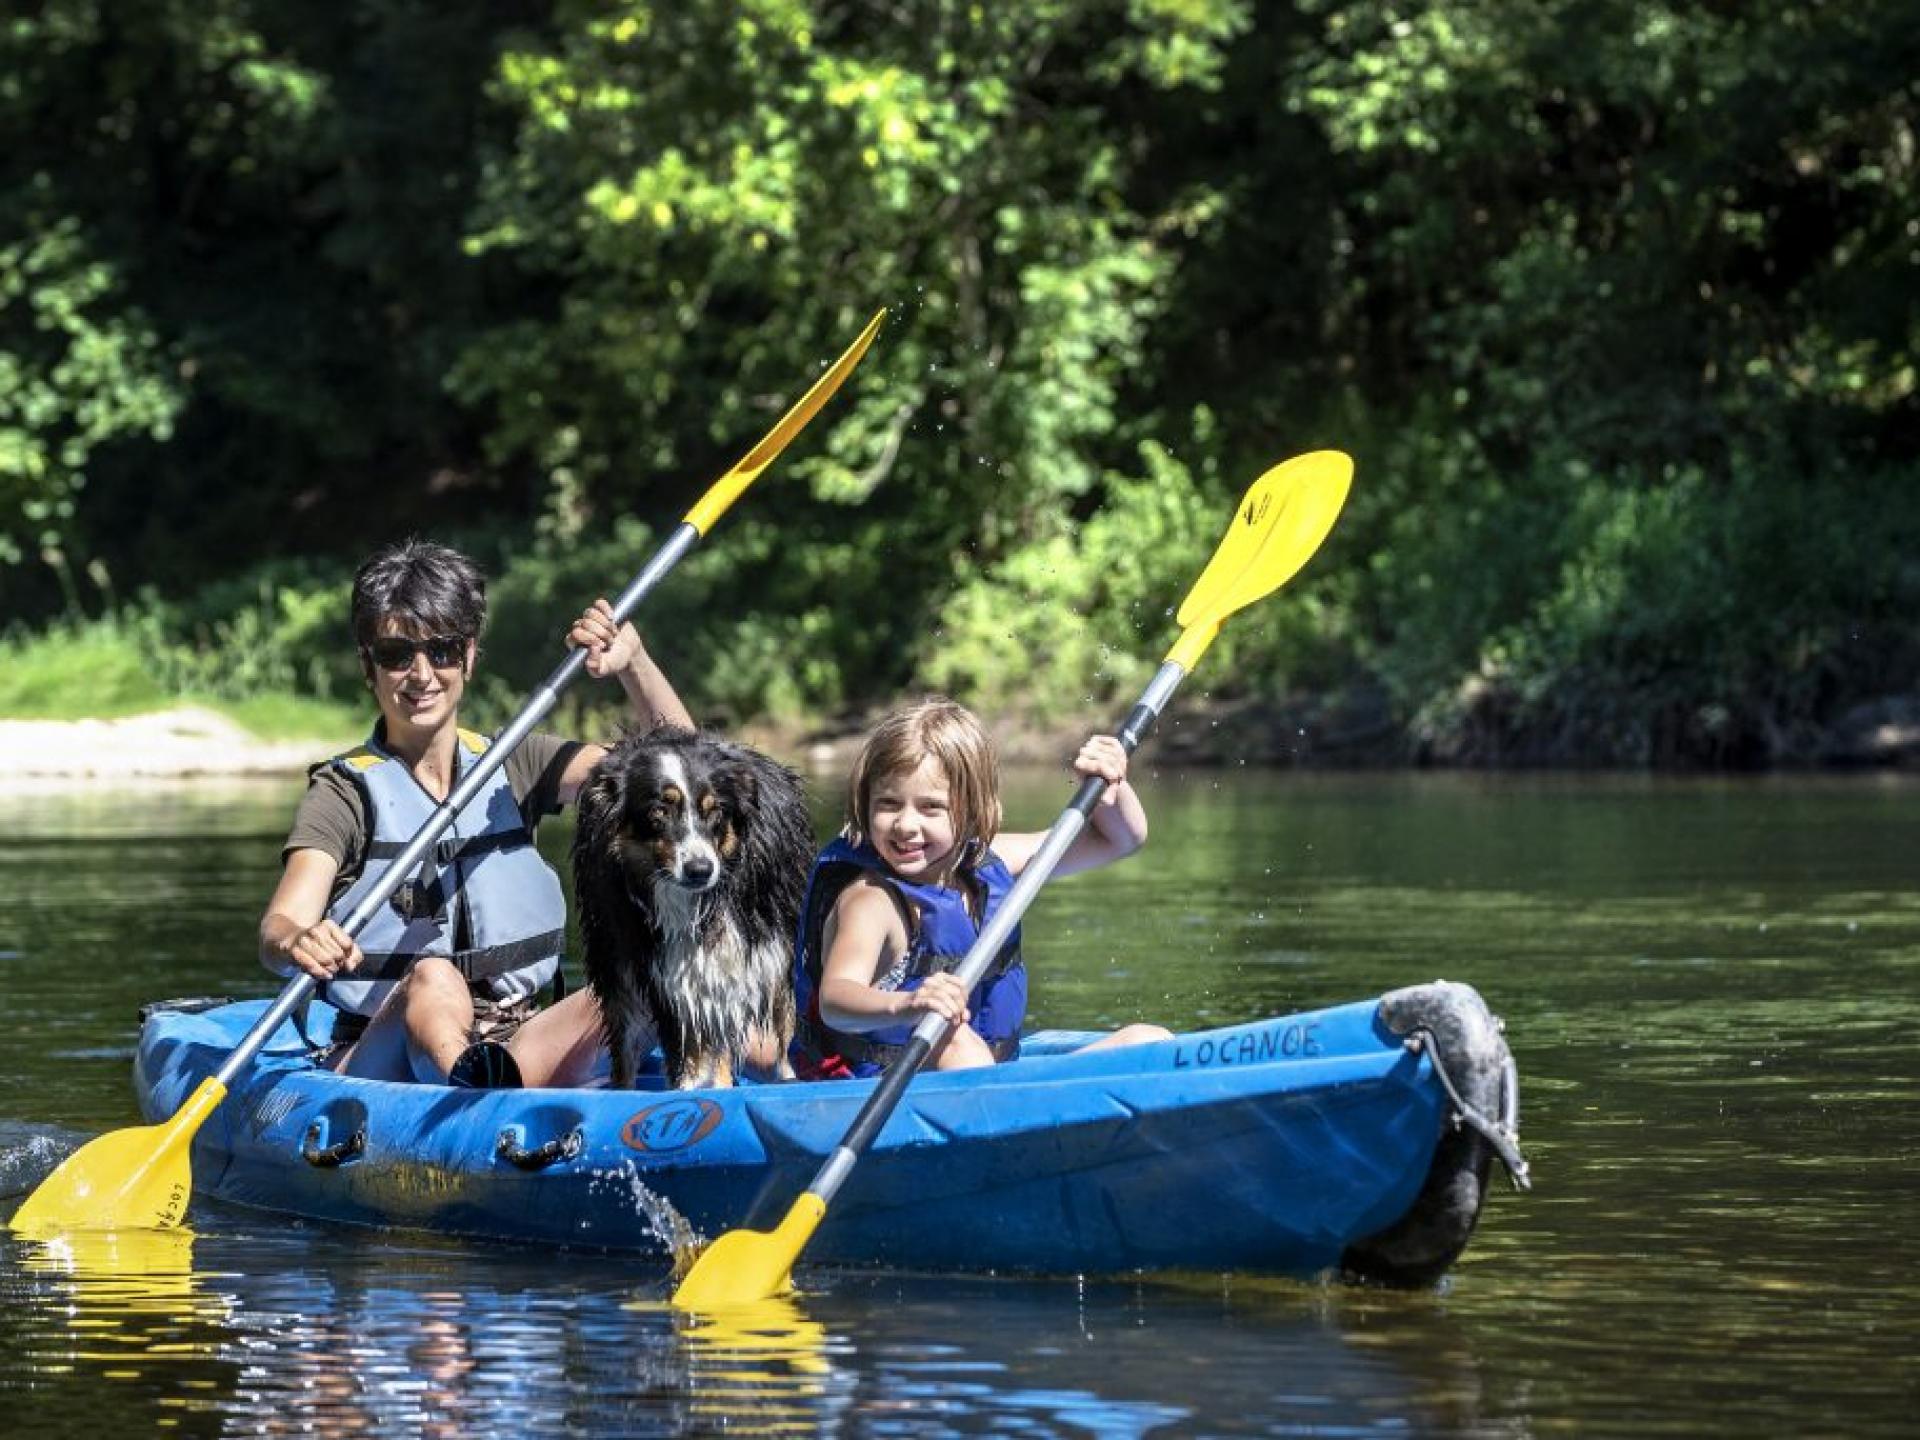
x=1280, y=523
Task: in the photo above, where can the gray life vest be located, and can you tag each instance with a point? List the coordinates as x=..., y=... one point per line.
x=485, y=865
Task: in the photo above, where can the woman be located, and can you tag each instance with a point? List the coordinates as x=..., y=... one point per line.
x=442, y=979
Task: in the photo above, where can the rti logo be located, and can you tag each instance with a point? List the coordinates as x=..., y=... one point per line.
x=672, y=1125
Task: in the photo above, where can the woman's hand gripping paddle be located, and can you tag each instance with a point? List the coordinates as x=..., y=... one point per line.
x=1281, y=522
x=143, y=1177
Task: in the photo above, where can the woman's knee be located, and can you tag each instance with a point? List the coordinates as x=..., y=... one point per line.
x=433, y=975
x=434, y=987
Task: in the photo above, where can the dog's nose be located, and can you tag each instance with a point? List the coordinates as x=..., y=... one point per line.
x=697, y=871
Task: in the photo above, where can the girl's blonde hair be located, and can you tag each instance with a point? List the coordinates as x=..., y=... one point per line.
x=953, y=736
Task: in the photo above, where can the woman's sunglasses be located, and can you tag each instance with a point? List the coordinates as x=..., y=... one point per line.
x=396, y=652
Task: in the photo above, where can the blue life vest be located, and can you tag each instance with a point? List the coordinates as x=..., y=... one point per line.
x=484, y=867
x=940, y=932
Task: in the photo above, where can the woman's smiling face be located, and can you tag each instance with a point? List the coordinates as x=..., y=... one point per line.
x=420, y=694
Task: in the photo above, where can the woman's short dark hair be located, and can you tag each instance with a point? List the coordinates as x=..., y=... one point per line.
x=429, y=588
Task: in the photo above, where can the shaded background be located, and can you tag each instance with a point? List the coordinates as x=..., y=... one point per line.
x=1614, y=303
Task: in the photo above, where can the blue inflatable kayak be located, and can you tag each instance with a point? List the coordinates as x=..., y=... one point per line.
x=1291, y=1145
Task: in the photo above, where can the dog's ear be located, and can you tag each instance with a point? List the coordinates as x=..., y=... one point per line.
x=740, y=787
x=605, y=791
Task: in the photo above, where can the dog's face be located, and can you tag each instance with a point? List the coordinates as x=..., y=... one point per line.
x=689, y=862
x=681, y=817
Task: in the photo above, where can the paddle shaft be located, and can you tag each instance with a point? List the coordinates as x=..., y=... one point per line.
x=933, y=1029
x=683, y=538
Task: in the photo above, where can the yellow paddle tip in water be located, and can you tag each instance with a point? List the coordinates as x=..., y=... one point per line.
x=746, y=1267
x=137, y=1179
x=109, y=1253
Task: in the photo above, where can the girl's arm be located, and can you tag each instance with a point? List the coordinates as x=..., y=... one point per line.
x=1117, y=827
x=863, y=935
x=617, y=651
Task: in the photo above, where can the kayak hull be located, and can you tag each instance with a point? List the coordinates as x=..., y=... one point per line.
x=1275, y=1146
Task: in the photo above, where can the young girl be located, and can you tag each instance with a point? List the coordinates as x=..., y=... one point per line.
x=895, y=903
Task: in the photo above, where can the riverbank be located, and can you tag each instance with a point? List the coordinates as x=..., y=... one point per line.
x=1353, y=731
x=191, y=741
x=177, y=743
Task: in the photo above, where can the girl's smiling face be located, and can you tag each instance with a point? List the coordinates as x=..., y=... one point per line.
x=910, y=822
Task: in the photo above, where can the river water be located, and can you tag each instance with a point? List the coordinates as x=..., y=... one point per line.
x=1710, y=986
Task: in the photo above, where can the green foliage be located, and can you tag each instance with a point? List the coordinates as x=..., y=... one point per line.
x=72, y=671
x=1701, y=621
x=144, y=659
x=1082, y=621
x=255, y=206
x=77, y=371
x=1610, y=300
x=752, y=628
x=715, y=198
x=276, y=631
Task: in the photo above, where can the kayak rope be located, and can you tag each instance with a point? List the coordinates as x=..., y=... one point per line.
x=1501, y=1134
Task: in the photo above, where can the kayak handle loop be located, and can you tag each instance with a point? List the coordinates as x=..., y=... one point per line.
x=332, y=1157
x=564, y=1147
x=1503, y=1134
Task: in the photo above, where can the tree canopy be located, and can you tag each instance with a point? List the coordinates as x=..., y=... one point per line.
x=1613, y=302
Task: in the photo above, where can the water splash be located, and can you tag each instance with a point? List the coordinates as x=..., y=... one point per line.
x=663, y=1222
x=28, y=1156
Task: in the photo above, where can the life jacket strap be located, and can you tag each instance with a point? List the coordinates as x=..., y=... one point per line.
x=460, y=847
x=920, y=966
x=481, y=963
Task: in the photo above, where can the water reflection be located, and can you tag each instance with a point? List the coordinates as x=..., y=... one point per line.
x=347, y=1369
x=279, y=1330
x=1709, y=989
x=766, y=1366
x=30, y=1153
x=127, y=1308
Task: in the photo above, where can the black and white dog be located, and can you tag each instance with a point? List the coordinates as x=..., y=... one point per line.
x=689, y=867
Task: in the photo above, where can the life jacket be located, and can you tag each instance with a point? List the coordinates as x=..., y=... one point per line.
x=485, y=865
x=941, y=931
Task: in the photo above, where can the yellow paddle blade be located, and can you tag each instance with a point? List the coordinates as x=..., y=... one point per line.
x=744, y=1267
x=1284, y=517
x=729, y=487
x=131, y=1179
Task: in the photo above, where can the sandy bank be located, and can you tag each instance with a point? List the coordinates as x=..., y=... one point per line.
x=169, y=744
x=191, y=742
x=1340, y=732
